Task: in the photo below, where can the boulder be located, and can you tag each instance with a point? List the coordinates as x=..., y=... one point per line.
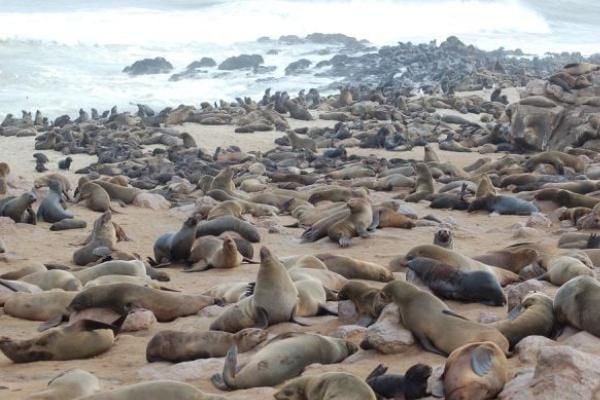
x=204, y=62
x=387, y=335
x=149, y=66
x=298, y=67
x=516, y=292
x=244, y=61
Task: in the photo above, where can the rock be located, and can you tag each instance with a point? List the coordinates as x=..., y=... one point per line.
x=519, y=384
x=243, y=61
x=204, y=62
x=561, y=373
x=531, y=271
x=583, y=341
x=487, y=318
x=347, y=312
x=152, y=201
x=538, y=219
x=349, y=332
x=386, y=335
x=138, y=320
x=529, y=348
x=525, y=232
x=516, y=292
x=298, y=67
x=149, y=66
x=182, y=372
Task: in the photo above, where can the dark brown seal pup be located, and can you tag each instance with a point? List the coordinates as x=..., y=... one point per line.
x=447, y=282
x=177, y=347
x=283, y=358
x=410, y=386
x=123, y=297
x=176, y=246
x=423, y=314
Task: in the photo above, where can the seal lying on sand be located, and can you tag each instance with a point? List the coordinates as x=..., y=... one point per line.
x=412, y=385
x=327, y=386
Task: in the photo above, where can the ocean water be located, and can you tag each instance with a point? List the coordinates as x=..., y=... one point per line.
x=60, y=55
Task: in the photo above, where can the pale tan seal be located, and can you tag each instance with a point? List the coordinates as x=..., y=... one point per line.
x=351, y=268
x=155, y=390
x=177, y=346
x=301, y=143
x=214, y=252
x=424, y=187
x=103, y=239
x=576, y=302
x=69, y=385
x=355, y=224
x=53, y=279
x=38, y=306
x=113, y=267
x=564, y=268
x=423, y=314
x=96, y=198
x=282, y=358
x=327, y=386
x=475, y=371
x=366, y=299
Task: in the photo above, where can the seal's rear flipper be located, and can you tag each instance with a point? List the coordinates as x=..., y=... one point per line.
x=378, y=371
x=250, y=261
x=201, y=265
x=453, y=314
x=262, y=318
x=324, y=309
x=365, y=321
x=427, y=345
x=217, y=380
x=230, y=368
x=51, y=323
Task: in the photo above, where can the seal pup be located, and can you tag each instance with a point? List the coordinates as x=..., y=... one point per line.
x=177, y=347
x=213, y=252
x=327, y=386
x=448, y=282
x=154, y=390
x=283, y=358
x=124, y=297
x=19, y=209
x=83, y=339
x=69, y=385
x=410, y=386
x=365, y=298
x=355, y=224
x=54, y=208
x=175, y=246
x=475, y=371
x=273, y=300
x=534, y=316
x=575, y=304
x=65, y=164
x=423, y=314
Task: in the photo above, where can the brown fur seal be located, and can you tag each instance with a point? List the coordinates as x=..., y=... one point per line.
x=4, y=172
x=412, y=385
x=123, y=297
x=69, y=385
x=352, y=268
x=534, y=316
x=475, y=371
x=119, y=193
x=43, y=181
x=299, y=143
x=448, y=282
x=224, y=181
x=177, y=347
x=283, y=358
x=102, y=238
x=219, y=225
x=19, y=209
x=485, y=187
x=461, y=262
x=503, y=205
x=424, y=187
x=227, y=207
x=430, y=154
x=355, y=224
x=564, y=268
x=444, y=238
x=54, y=208
x=96, y=198
x=576, y=302
x=213, y=252
x=423, y=314
x=81, y=340
x=176, y=246
x=557, y=159
x=513, y=258
x=565, y=198
x=574, y=214
x=38, y=306
x=273, y=301
x=366, y=299
x=327, y=386
x=154, y=390
x=389, y=218
x=113, y=267
x=53, y=279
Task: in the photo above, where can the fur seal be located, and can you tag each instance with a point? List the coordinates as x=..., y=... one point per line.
x=503, y=205
x=273, y=301
x=410, y=386
x=389, y=218
x=53, y=207
x=65, y=164
x=423, y=314
x=355, y=224
x=53, y=279
x=460, y=261
x=366, y=299
x=176, y=246
x=352, y=268
x=534, y=316
x=154, y=390
x=123, y=297
x=558, y=160
x=327, y=386
x=96, y=198
x=117, y=192
x=102, y=238
x=299, y=143
x=69, y=385
x=112, y=267
x=475, y=371
x=83, y=339
x=219, y=225
x=19, y=209
x=485, y=187
x=444, y=238
x=424, y=186
x=38, y=306
x=513, y=258
x=447, y=282
x=283, y=358
x=564, y=268
x=177, y=347
x=67, y=224
x=213, y=252
x=575, y=303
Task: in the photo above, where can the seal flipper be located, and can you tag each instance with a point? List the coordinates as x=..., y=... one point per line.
x=51, y=323
x=345, y=241
x=376, y=219
x=427, y=345
x=102, y=251
x=325, y=310
x=378, y=371
x=201, y=265
x=481, y=361
x=453, y=314
x=261, y=318
x=230, y=368
x=515, y=312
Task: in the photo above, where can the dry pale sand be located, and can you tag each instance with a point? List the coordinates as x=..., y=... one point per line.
x=121, y=365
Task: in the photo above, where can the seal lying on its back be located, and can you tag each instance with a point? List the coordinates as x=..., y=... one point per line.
x=283, y=358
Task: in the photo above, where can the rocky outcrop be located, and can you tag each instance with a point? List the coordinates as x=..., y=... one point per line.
x=298, y=67
x=561, y=111
x=244, y=61
x=194, y=70
x=149, y=66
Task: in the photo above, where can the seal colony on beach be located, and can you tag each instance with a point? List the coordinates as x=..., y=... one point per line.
x=277, y=247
